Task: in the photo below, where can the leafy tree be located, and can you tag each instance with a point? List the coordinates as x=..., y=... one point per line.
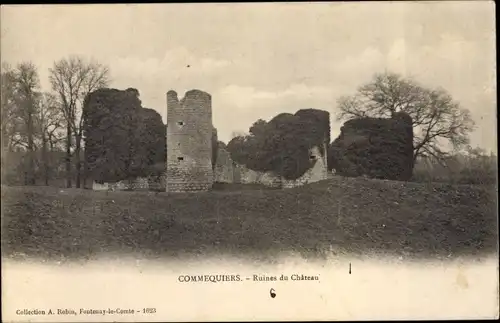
x=436, y=119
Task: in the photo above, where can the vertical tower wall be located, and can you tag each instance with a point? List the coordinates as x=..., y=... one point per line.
x=189, y=142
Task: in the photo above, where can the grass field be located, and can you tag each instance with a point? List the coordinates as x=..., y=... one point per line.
x=340, y=215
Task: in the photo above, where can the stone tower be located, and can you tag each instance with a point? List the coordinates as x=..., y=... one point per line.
x=189, y=142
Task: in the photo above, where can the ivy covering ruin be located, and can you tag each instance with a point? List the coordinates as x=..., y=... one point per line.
x=283, y=144
x=376, y=147
x=123, y=140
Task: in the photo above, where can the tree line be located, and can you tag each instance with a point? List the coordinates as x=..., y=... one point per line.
x=79, y=130
x=38, y=125
x=82, y=127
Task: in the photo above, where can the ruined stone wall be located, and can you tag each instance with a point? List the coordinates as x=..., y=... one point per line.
x=138, y=184
x=250, y=176
x=100, y=187
x=189, y=142
x=244, y=175
x=224, y=167
x=317, y=173
x=157, y=183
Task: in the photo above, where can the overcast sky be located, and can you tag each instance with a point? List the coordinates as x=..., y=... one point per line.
x=258, y=60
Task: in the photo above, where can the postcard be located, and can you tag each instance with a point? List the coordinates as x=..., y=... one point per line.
x=249, y=162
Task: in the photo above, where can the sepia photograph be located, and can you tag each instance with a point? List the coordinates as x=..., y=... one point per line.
x=249, y=161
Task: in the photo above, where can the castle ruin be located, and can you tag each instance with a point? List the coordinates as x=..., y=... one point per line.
x=188, y=164
x=227, y=171
x=189, y=142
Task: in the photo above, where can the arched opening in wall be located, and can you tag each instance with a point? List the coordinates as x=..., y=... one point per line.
x=180, y=158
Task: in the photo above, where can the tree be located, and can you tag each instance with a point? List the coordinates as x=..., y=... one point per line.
x=72, y=79
x=436, y=119
x=49, y=123
x=9, y=121
x=26, y=96
x=8, y=107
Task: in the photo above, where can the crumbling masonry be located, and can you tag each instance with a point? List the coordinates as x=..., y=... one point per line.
x=188, y=166
x=189, y=151
x=189, y=142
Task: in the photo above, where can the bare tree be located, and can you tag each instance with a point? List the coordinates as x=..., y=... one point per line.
x=437, y=119
x=9, y=112
x=72, y=79
x=8, y=116
x=25, y=97
x=49, y=121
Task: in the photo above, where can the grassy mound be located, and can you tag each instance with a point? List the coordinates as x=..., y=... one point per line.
x=349, y=215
